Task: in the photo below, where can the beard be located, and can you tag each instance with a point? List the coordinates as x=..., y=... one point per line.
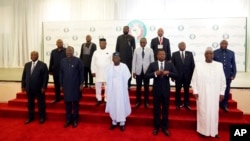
x=125, y=32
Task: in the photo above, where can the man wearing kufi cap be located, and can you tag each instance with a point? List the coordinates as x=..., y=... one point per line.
x=118, y=104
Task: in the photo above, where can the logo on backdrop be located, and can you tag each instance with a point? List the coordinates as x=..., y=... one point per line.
x=92, y=29
x=225, y=36
x=215, y=44
x=137, y=29
x=48, y=38
x=180, y=27
x=75, y=37
x=192, y=36
x=66, y=30
x=215, y=27
x=118, y=28
x=152, y=28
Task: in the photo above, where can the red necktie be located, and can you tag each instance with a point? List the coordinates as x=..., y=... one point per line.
x=160, y=40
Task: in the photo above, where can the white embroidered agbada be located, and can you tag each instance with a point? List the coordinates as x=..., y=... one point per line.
x=100, y=61
x=209, y=83
x=118, y=103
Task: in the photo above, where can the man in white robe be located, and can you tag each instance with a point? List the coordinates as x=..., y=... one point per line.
x=100, y=60
x=208, y=84
x=118, y=103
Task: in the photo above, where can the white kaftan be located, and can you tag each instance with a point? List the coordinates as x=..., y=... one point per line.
x=100, y=60
x=118, y=103
x=209, y=83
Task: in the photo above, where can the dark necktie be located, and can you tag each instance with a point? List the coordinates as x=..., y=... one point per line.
x=182, y=56
x=32, y=67
x=142, y=54
x=161, y=68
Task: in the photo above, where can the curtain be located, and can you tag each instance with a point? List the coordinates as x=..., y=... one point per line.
x=21, y=20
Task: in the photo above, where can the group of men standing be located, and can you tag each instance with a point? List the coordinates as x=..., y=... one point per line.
x=143, y=63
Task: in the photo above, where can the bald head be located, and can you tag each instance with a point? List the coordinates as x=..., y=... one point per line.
x=88, y=39
x=59, y=43
x=223, y=44
x=160, y=32
x=69, y=51
x=34, y=56
x=182, y=46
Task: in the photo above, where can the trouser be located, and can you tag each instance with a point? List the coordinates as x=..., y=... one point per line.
x=98, y=89
x=224, y=102
x=88, y=76
x=139, y=79
x=72, y=110
x=57, y=87
x=178, y=85
x=161, y=107
x=31, y=103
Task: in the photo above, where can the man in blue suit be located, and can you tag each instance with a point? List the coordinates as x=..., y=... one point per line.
x=71, y=81
x=227, y=58
x=161, y=70
x=184, y=63
x=161, y=42
x=34, y=83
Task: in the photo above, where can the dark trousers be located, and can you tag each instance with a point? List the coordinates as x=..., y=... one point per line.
x=31, y=103
x=57, y=87
x=160, y=101
x=178, y=85
x=139, y=79
x=88, y=76
x=224, y=102
x=72, y=110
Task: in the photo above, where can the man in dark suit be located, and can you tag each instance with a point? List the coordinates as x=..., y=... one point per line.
x=125, y=45
x=161, y=70
x=87, y=51
x=34, y=83
x=71, y=80
x=184, y=63
x=55, y=58
x=161, y=42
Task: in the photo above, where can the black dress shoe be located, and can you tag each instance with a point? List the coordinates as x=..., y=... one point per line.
x=165, y=131
x=178, y=107
x=55, y=101
x=155, y=132
x=98, y=103
x=67, y=123
x=28, y=120
x=187, y=107
x=122, y=128
x=74, y=124
x=42, y=120
x=201, y=135
x=146, y=105
x=225, y=109
x=217, y=136
x=137, y=105
x=112, y=127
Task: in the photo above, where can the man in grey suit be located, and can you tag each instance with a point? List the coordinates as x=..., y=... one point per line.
x=34, y=83
x=184, y=63
x=142, y=57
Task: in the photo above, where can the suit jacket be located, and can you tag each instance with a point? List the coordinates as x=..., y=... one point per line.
x=166, y=46
x=139, y=62
x=185, y=68
x=227, y=58
x=87, y=61
x=161, y=85
x=38, y=79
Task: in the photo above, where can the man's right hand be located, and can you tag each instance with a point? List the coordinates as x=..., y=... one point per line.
x=158, y=73
x=93, y=74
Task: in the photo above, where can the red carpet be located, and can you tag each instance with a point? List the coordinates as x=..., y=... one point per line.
x=94, y=123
